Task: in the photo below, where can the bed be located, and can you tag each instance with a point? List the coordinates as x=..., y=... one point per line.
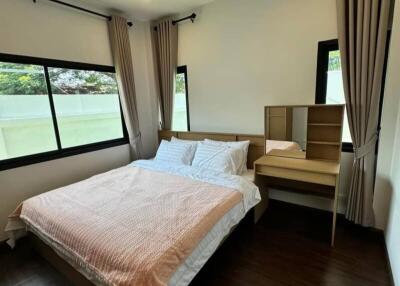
x=148, y=223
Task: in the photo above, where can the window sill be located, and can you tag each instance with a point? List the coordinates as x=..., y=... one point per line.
x=58, y=154
x=347, y=147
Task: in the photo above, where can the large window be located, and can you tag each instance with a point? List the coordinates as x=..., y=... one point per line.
x=50, y=109
x=329, y=89
x=180, y=116
x=86, y=105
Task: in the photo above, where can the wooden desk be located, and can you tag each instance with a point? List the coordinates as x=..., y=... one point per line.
x=297, y=168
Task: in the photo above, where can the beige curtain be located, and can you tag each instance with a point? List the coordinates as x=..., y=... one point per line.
x=165, y=40
x=121, y=49
x=362, y=29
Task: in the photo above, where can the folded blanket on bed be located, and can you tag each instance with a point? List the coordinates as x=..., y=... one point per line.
x=132, y=225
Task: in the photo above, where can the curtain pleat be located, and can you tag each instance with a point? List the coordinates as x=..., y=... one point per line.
x=362, y=29
x=165, y=37
x=122, y=57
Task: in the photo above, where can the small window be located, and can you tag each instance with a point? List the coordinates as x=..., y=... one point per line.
x=329, y=88
x=180, y=116
x=51, y=109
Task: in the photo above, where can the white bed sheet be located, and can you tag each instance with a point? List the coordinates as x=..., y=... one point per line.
x=249, y=175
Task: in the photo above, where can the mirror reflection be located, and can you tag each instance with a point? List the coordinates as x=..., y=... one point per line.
x=286, y=129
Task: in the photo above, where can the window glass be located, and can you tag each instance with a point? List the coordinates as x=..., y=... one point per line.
x=87, y=106
x=179, y=116
x=335, y=91
x=26, y=124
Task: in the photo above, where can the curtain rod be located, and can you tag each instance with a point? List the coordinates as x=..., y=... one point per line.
x=130, y=24
x=191, y=17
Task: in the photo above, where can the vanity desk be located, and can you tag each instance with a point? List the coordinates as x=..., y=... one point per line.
x=312, y=163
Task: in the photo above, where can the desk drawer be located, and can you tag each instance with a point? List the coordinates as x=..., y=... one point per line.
x=292, y=174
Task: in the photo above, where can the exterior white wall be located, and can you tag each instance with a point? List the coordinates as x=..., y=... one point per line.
x=50, y=31
x=242, y=55
x=387, y=186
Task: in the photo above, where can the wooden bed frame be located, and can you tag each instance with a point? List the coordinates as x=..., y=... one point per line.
x=256, y=149
x=57, y=262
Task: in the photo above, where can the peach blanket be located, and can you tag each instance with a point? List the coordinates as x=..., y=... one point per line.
x=129, y=226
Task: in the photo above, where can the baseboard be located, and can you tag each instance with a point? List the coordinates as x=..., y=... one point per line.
x=388, y=260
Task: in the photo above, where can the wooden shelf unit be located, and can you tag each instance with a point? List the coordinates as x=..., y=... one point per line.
x=324, y=132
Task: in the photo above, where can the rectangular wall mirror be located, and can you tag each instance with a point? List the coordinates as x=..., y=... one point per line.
x=311, y=131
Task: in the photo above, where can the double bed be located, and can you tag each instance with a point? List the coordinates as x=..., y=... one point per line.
x=147, y=223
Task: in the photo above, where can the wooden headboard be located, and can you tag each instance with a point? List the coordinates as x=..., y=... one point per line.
x=256, y=148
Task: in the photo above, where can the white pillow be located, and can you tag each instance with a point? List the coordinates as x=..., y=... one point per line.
x=215, y=157
x=175, y=152
x=174, y=139
x=241, y=145
x=193, y=143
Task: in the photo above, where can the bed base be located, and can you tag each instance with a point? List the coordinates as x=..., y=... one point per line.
x=57, y=262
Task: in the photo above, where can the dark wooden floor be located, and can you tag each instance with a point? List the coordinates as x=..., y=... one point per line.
x=289, y=246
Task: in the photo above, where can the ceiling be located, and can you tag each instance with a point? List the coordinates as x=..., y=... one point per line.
x=145, y=9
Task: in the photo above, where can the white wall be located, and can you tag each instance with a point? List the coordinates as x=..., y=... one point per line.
x=383, y=188
x=387, y=186
x=51, y=31
x=242, y=55
x=393, y=225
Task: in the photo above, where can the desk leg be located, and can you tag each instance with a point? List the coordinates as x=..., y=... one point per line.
x=335, y=205
x=262, y=206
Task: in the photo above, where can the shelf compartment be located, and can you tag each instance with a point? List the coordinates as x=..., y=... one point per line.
x=324, y=133
x=323, y=152
x=325, y=114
